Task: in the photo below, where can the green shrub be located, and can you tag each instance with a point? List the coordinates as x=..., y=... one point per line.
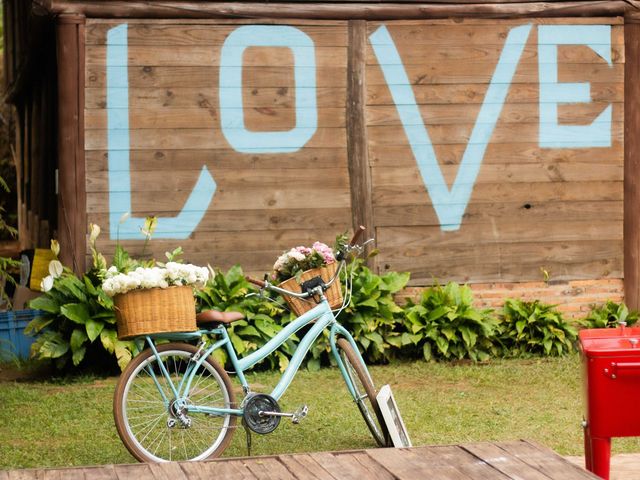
x=372, y=316
x=531, y=328
x=227, y=292
x=7, y=265
x=79, y=317
x=444, y=325
x=609, y=315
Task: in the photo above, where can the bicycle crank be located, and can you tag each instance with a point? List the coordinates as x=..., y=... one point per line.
x=296, y=416
x=255, y=405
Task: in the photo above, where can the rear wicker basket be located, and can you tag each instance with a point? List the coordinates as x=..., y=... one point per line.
x=155, y=310
x=333, y=294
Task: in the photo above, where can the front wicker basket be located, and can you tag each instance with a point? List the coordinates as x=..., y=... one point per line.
x=333, y=294
x=155, y=310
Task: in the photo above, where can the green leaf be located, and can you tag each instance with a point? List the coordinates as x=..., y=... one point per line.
x=426, y=351
x=248, y=331
x=76, y=312
x=53, y=345
x=123, y=353
x=89, y=286
x=73, y=286
x=78, y=355
x=443, y=344
x=265, y=325
x=94, y=328
x=369, y=302
x=238, y=343
x=437, y=313
x=37, y=324
x=45, y=303
x=449, y=333
x=396, y=341
x=78, y=337
x=109, y=338
x=283, y=361
x=395, y=281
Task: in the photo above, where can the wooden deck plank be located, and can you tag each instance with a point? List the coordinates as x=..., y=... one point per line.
x=408, y=464
x=340, y=465
x=553, y=466
x=139, y=472
x=30, y=474
x=167, y=471
x=518, y=460
x=372, y=468
x=63, y=474
x=106, y=472
x=228, y=469
x=500, y=460
x=270, y=469
x=305, y=466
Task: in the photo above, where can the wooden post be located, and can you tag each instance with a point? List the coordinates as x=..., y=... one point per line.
x=632, y=165
x=71, y=207
x=359, y=169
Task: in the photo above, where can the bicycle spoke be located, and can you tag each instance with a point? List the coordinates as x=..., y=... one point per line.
x=146, y=411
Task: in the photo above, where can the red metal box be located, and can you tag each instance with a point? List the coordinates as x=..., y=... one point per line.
x=611, y=372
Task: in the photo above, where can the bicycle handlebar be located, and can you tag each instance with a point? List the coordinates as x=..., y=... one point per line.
x=357, y=235
x=255, y=281
x=266, y=284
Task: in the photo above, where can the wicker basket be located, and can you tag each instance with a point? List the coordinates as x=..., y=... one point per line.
x=333, y=294
x=155, y=310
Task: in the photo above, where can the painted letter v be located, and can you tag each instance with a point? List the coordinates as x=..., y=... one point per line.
x=449, y=205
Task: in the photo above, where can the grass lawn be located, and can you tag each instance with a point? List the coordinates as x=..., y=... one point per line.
x=69, y=422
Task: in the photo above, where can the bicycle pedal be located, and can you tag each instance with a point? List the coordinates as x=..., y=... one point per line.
x=299, y=414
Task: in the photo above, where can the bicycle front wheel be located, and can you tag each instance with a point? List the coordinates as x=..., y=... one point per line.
x=365, y=392
x=150, y=422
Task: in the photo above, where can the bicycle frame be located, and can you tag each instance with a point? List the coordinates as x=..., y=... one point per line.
x=323, y=317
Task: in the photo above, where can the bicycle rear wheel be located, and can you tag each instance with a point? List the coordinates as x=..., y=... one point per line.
x=365, y=392
x=155, y=430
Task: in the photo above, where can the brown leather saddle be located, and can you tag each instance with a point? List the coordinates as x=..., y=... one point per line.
x=214, y=317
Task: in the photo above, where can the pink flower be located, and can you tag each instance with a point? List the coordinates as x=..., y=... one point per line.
x=325, y=251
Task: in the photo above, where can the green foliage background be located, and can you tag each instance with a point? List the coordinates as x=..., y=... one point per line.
x=77, y=325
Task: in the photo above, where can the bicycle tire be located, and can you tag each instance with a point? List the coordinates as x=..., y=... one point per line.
x=365, y=391
x=143, y=420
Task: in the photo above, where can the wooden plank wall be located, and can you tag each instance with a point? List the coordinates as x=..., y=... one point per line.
x=264, y=202
x=531, y=208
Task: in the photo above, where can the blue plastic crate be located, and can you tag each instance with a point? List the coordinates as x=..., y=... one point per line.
x=13, y=340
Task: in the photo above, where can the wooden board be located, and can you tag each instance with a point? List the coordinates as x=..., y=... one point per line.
x=174, y=117
x=529, y=206
x=516, y=460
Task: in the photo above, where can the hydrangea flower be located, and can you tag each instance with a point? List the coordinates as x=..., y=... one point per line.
x=302, y=258
x=173, y=274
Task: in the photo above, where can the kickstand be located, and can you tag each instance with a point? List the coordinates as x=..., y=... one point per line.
x=247, y=430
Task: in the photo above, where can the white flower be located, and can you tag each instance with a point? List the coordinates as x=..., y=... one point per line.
x=125, y=216
x=173, y=274
x=46, y=284
x=55, y=247
x=94, y=232
x=55, y=268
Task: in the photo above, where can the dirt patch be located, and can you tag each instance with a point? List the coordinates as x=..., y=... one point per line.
x=10, y=372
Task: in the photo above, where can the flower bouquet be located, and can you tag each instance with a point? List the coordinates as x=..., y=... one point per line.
x=300, y=264
x=156, y=299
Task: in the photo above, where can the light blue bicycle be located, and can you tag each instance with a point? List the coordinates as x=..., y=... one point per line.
x=174, y=402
